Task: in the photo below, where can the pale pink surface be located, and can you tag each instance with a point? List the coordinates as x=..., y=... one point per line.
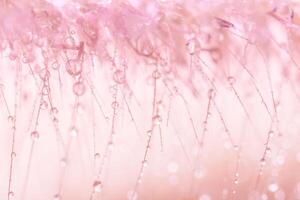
x=210, y=86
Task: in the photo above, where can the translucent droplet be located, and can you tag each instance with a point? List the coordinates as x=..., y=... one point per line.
x=273, y=187
x=191, y=46
x=35, y=135
x=54, y=110
x=110, y=146
x=56, y=197
x=156, y=120
x=236, y=181
x=204, y=197
x=79, y=88
x=73, y=131
x=63, y=162
x=211, y=93
x=263, y=161
x=13, y=154
x=97, y=186
x=145, y=163
x=156, y=74
x=44, y=105
x=11, y=194
x=231, y=80
x=97, y=155
x=119, y=76
x=73, y=67
x=172, y=167
x=114, y=104
x=55, y=65
x=132, y=195
x=271, y=133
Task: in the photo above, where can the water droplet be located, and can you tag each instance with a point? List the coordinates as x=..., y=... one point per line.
x=132, y=195
x=63, y=162
x=231, y=80
x=156, y=74
x=156, y=120
x=78, y=88
x=97, y=155
x=211, y=93
x=263, y=161
x=73, y=131
x=56, y=197
x=35, y=135
x=119, y=76
x=11, y=194
x=271, y=133
x=172, y=167
x=55, y=65
x=97, y=186
x=54, y=110
x=145, y=163
x=110, y=146
x=11, y=119
x=236, y=181
x=44, y=105
x=13, y=154
x=191, y=46
x=73, y=67
x=204, y=197
x=114, y=104
x=273, y=187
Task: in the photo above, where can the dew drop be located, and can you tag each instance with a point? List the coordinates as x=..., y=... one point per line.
x=191, y=46
x=145, y=163
x=273, y=187
x=55, y=65
x=211, y=93
x=97, y=186
x=79, y=88
x=97, y=155
x=54, y=110
x=56, y=197
x=156, y=120
x=204, y=197
x=119, y=76
x=73, y=67
x=110, y=146
x=11, y=194
x=172, y=167
x=44, y=105
x=236, y=181
x=73, y=131
x=114, y=104
x=132, y=195
x=13, y=154
x=35, y=135
x=156, y=74
x=63, y=162
x=231, y=80
x=263, y=161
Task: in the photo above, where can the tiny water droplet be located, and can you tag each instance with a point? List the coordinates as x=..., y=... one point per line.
x=44, y=105
x=119, y=76
x=79, y=88
x=35, y=135
x=11, y=194
x=156, y=74
x=114, y=104
x=63, y=162
x=97, y=186
x=156, y=120
x=211, y=93
x=263, y=161
x=231, y=80
x=73, y=131
x=56, y=197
